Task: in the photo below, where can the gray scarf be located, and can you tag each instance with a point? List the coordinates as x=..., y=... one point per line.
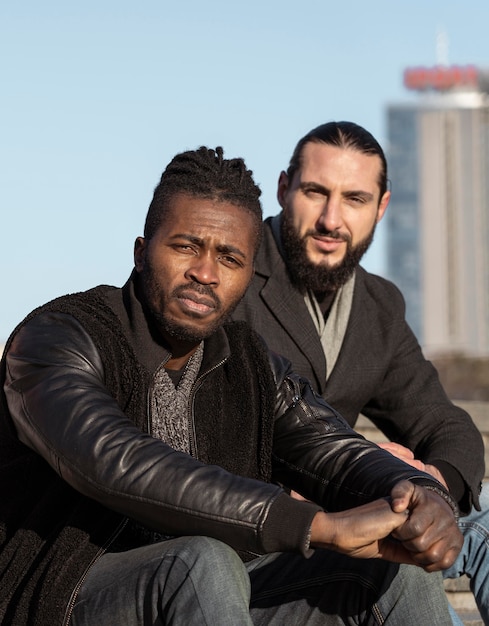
x=332, y=332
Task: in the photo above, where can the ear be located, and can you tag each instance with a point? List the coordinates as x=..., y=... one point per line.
x=383, y=206
x=283, y=186
x=139, y=253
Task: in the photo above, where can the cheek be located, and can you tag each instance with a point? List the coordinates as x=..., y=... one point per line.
x=170, y=268
x=360, y=227
x=233, y=288
x=302, y=217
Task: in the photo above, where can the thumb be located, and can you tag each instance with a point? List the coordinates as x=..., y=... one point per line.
x=401, y=496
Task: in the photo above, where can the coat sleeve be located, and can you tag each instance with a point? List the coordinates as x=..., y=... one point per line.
x=411, y=407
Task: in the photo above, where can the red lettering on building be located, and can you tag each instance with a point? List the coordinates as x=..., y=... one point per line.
x=440, y=77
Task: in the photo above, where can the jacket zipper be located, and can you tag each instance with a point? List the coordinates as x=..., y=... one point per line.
x=191, y=405
x=292, y=388
x=102, y=550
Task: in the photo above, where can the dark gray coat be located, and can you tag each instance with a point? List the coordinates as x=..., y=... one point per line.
x=380, y=371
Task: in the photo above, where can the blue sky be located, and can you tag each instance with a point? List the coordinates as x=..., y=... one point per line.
x=97, y=97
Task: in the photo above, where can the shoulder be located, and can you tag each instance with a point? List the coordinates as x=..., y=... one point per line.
x=268, y=253
x=76, y=304
x=242, y=337
x=248, y=345
x=80, y=319
x=379, y=291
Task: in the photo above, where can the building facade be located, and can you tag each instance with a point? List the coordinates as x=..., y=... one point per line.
x=438, y=219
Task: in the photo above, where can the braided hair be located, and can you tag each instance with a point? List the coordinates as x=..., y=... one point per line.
x=205, y=173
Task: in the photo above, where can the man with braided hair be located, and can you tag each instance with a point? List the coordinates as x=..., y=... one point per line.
x=144, y=441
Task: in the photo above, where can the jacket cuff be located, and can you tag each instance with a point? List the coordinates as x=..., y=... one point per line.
x=288, y=525
x=453, y=478
x=438, y=488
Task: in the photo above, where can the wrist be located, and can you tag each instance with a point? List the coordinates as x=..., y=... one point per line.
x=322, y=530
x=435, y=472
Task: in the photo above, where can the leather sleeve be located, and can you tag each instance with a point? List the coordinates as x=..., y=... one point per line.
x=319, y=455
x=62, y=410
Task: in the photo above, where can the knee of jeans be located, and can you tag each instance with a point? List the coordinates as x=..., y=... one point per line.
x=214, y=551
x=210, y=557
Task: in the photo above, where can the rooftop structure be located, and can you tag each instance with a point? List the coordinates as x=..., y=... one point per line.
x=438, y=221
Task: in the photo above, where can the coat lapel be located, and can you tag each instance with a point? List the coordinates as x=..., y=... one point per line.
x=289, y=307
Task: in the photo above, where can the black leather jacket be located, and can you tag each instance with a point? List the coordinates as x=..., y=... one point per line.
x=61, y=409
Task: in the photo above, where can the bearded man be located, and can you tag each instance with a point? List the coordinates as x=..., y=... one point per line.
x=345, y=329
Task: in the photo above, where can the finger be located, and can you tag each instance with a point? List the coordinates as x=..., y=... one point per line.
x=356, y=531
x=440, y=555
x=397, y=450
x=394, y=551
x=429, y=518
x=430, y=532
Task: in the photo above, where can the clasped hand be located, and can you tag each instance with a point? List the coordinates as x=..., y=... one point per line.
x=406, y=455
x=414, y=526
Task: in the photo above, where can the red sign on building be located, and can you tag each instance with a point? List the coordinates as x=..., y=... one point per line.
x=441, y=78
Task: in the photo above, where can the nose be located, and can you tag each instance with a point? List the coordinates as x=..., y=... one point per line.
x=330, y=218
x=203, y=270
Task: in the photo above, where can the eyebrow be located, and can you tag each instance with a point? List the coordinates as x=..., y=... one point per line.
x=198, y=241
x=232, y=250
x=324, y=190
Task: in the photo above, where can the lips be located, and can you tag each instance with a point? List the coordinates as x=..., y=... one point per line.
x=327, y=244
x=196, y=302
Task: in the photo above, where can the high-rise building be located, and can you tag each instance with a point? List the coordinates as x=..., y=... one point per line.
x=438, y=219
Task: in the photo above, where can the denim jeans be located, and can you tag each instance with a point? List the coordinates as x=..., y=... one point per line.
x=196, y=581
x=329, y=588
x=473, y=559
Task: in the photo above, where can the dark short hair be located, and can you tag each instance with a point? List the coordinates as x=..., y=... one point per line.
x=342, y=135
x=205, y=173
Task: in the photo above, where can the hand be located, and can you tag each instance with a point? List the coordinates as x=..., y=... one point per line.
x=416, y=527
x=363, y=532
x=429, y=533
x=406, y=455
x=297, y=496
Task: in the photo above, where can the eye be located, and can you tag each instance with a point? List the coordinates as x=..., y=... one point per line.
x=185, y=248
x=357, y=200
x=313, y=193
x=229, y=261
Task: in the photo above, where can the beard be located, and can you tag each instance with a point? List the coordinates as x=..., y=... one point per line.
x=305, y=274
x=154, y=302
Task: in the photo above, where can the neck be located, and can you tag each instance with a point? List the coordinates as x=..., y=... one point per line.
x=180, y=354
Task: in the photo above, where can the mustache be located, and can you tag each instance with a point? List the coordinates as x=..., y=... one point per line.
x=202, y=290
x=331, y=234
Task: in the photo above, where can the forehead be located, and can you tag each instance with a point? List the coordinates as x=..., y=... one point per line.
x=216, y=221
x=333, y=165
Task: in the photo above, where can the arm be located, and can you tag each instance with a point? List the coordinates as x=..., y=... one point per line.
x=62, y=410
x=319, y=456
x=411, y=407
x=407, y=456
